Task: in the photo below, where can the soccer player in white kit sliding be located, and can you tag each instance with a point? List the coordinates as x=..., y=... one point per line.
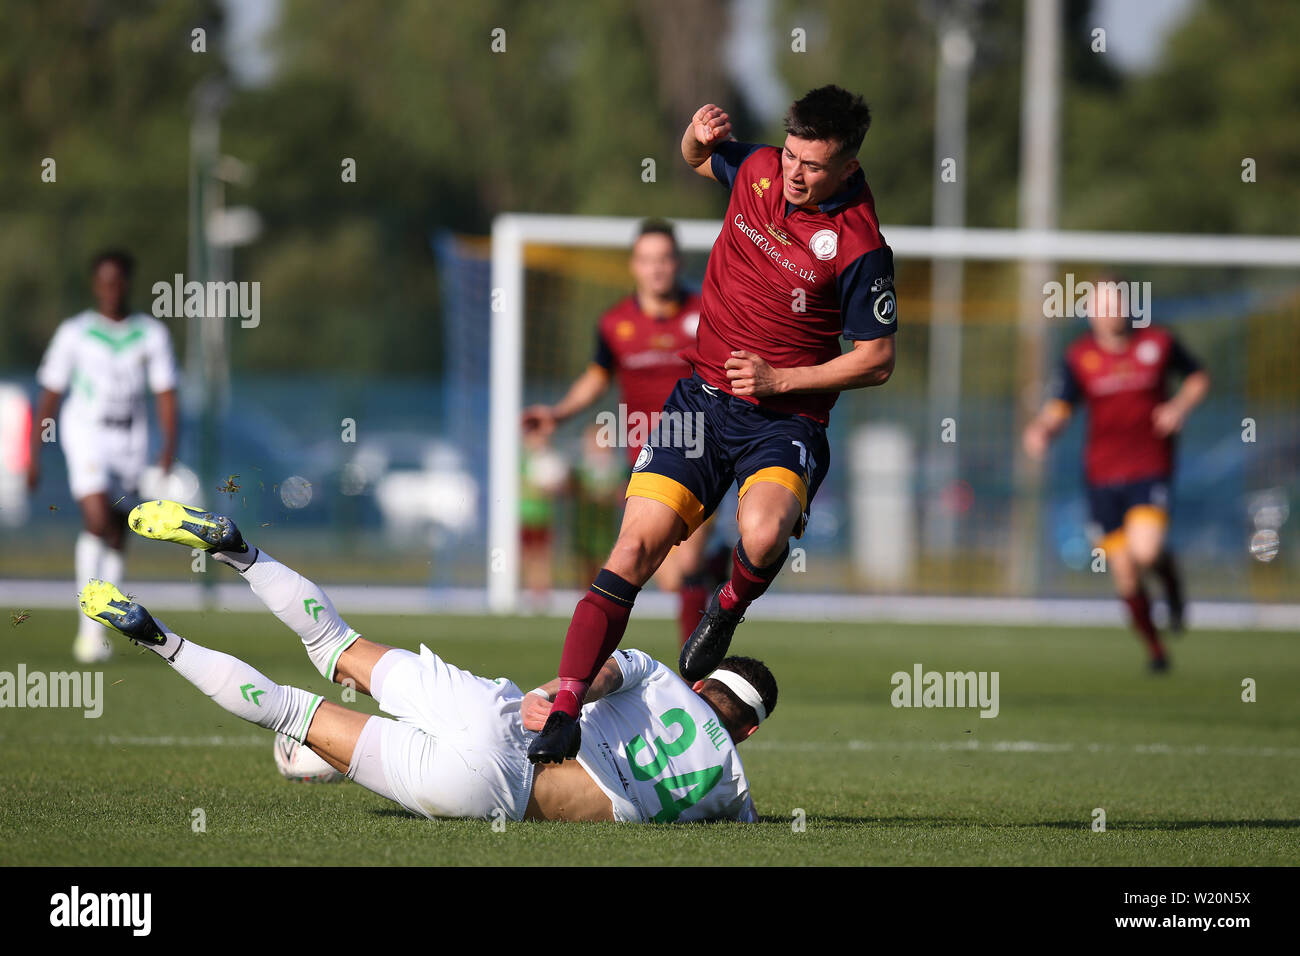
x=103, y=359
x=654, y=750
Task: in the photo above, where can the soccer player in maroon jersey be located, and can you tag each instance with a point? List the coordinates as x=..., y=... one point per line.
x=799, y=263
x=1120, y=372
x=638, y=341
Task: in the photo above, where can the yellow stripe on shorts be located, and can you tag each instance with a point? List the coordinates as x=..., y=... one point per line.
x=672, y=493
x=779, y=476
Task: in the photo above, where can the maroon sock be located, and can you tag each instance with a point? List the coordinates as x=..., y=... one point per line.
x=598, y=624
x=1166, y=569
x=692, y=600
x=747, y=582
x=1139, y=609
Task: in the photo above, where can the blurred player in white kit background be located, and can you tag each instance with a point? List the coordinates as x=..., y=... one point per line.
x=98, y=367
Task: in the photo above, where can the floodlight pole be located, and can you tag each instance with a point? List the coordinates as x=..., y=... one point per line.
x=205, y=362
x=1039, y=176
x=956, y=53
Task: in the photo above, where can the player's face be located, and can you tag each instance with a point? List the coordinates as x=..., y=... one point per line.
x=1107, y=317
x=655, y=265
x=812, y=171
x=109, y=287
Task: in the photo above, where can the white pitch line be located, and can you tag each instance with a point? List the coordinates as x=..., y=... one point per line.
x=133, y=740
x=781, y=606
x=214, y=740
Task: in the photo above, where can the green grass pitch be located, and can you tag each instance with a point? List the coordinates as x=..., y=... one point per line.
x=1186, y=772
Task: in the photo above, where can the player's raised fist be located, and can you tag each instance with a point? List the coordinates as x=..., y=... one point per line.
x=711, y=125
x=751, y=375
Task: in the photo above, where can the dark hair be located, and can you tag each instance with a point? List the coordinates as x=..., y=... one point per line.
x=831, y=113
x=731, y=706
x=657, y=227
x=119, y=257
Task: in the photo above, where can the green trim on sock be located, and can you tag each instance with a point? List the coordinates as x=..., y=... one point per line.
x=306, y=722
x=334, y=659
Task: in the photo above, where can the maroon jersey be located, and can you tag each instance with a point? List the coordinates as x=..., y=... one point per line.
x=786, y=282
x=1121, y=389
x=642, y=352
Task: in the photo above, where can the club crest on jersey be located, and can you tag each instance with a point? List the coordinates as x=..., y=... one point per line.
x=1148, y=353
x=625, y=329
x=762, y=186
x=824, y=244
x=643, y=459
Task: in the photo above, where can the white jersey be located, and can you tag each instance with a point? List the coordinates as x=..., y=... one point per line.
x=659, y=752
x=105, y=366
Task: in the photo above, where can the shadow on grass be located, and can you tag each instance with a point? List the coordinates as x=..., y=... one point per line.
x=941, y=823
x=396, y=812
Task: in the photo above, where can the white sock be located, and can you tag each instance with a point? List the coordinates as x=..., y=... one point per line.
x=246, y=692
x=305, y=608
x=86, y=559
x=239, y=560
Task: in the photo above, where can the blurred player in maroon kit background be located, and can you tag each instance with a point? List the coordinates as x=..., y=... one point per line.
x=637, y=342
x=1120, y=372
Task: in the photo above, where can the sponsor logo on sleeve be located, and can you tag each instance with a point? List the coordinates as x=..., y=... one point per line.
x=885, y=308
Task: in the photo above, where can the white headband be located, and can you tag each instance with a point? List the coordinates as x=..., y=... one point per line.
x=742, y=689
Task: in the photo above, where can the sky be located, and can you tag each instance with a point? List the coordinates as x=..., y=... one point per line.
x=1136, y=29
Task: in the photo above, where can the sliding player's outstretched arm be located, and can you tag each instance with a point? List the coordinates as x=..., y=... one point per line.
x=536, y=706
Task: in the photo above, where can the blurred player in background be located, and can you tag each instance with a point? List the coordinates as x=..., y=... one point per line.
x=799, y=263
x=104, y=359
x=599, y=477
x=543, y=474
x=1121, y=374
x=637, y=341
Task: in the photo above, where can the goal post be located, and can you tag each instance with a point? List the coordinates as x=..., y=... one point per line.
x=513, y=233
x=510, y=233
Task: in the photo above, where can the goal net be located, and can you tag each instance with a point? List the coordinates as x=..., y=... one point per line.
x=928, y=492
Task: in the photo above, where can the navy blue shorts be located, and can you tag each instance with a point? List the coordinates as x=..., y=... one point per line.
x=1110, y=504
x=705, y=439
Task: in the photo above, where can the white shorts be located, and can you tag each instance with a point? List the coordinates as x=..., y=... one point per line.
x=103, y=459
x=458, y=747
